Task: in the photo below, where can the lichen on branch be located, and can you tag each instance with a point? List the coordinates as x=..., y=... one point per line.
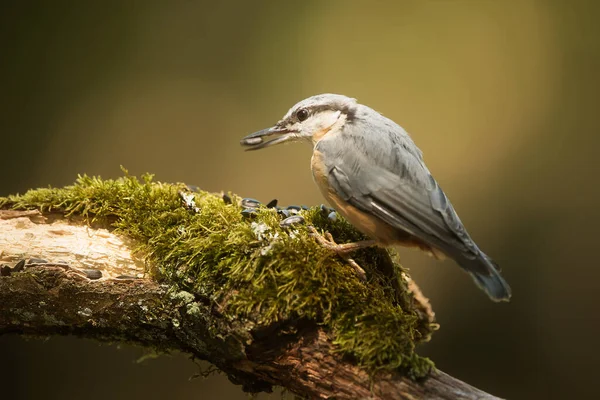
x=253, y=270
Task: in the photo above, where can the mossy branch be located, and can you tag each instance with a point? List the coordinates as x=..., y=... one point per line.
x=164, y=267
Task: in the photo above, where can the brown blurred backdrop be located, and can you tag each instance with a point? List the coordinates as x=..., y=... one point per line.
x=502, y=97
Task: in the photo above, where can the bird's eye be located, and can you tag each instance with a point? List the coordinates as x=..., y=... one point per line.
x=302, y=114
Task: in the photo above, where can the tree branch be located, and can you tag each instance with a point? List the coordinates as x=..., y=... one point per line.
x=58, y=290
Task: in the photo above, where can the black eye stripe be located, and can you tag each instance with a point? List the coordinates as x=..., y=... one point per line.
x=303, y=113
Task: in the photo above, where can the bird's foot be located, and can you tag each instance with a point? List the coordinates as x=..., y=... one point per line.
x=343, y=250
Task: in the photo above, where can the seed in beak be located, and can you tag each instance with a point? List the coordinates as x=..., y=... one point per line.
x=252, y=141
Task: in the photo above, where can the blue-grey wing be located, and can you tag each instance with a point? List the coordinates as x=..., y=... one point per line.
x=406, y=198
x=382, y=173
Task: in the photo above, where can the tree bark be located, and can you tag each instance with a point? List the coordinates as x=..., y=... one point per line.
x=61, y=276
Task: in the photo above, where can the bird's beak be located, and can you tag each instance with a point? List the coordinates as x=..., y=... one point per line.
x=259, y=140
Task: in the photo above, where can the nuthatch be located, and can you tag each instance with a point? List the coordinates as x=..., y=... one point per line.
x=373, y=174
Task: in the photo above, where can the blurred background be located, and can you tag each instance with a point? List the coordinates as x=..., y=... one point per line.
x=502, y=97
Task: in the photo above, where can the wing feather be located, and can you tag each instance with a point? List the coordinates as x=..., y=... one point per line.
x=394, y=184
x=376, y=167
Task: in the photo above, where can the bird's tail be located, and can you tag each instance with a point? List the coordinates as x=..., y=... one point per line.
x=486, y=274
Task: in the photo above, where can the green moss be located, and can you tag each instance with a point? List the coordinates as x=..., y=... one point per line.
x=253, y=268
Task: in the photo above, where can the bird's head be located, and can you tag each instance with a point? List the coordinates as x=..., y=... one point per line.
x=308, y=120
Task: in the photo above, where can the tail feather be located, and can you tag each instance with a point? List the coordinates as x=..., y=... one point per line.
x=487, y=276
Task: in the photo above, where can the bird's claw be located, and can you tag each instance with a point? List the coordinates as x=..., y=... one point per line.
x=326, y=240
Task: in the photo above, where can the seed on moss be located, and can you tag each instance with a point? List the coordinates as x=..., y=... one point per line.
x=332, y=216
x=293, y=210
x=284, y=213
x=193, y=188
x=248, y=202
x=272, y=203
x=249, y=212
x=325, y=211
x=293, y=220
x=226, y=198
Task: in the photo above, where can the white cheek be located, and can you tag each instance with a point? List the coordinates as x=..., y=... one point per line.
x=331, y=119
x=324, y=120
